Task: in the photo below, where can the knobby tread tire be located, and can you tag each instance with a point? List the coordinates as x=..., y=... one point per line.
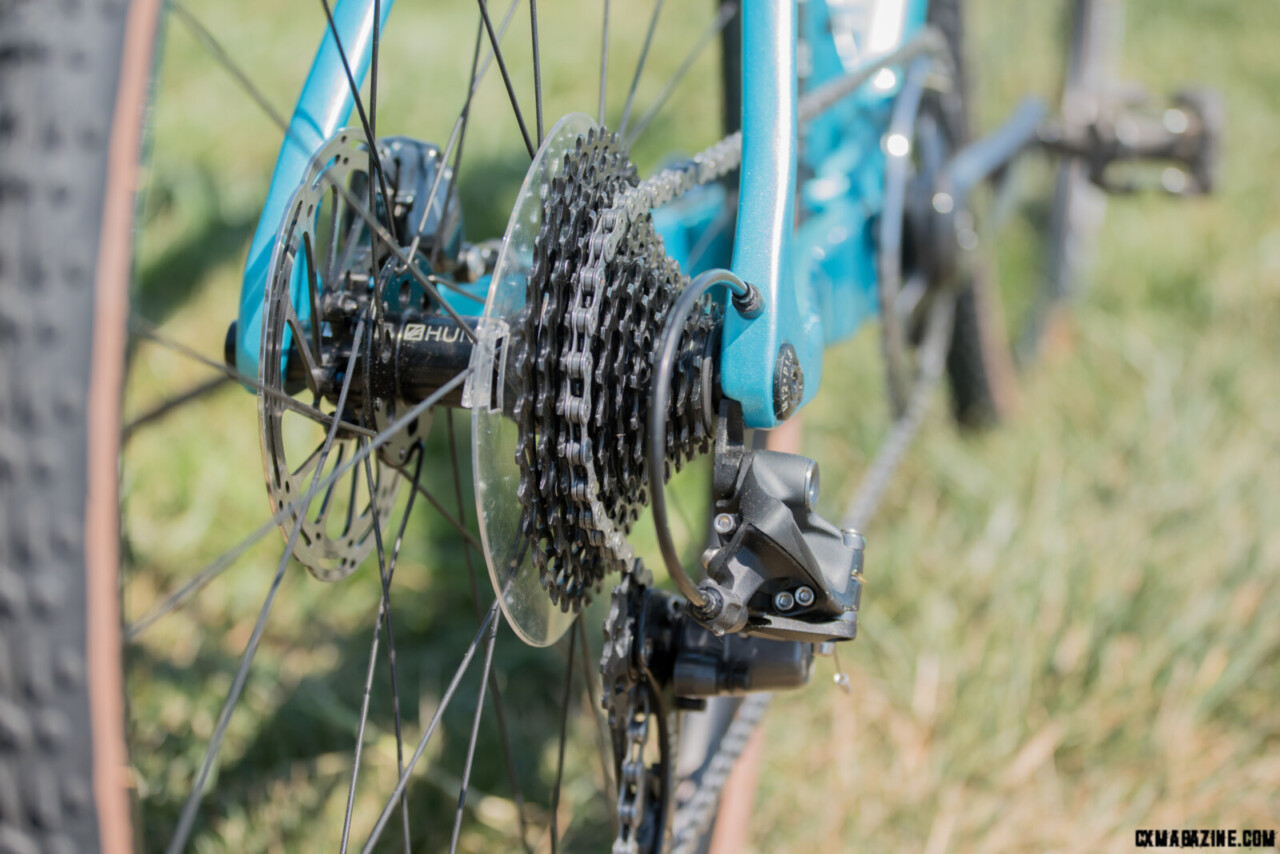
x=59, y=69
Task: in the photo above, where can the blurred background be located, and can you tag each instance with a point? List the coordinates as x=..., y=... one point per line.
x=1069, y=629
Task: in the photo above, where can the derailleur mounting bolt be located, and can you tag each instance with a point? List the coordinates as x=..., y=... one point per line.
x=725, y=524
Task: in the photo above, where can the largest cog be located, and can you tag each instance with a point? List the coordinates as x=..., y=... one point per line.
x=598, y=294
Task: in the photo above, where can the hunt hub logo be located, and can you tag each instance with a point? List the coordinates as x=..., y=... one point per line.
x=1191, y=838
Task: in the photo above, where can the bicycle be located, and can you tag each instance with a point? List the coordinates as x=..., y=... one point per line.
x=845, y=193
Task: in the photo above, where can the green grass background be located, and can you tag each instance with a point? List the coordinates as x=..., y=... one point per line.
x=1070, y=627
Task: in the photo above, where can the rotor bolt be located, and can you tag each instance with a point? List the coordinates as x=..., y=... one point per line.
x=804, y=597
x=725, y=524
x=783, y=601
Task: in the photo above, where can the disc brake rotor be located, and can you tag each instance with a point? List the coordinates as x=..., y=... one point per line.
x=316, y=253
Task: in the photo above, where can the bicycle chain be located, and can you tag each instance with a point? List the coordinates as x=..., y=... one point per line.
x=627, y=704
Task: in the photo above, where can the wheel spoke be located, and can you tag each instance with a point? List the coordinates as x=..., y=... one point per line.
x=375, y=159
x=564, y=730
x=475, y=735
x=499, y=711
x=309, y=358
x=220, y=565
x=384, y=574
x=374, y=226
x=384, y=610
x=537, y=67
x=187, y=819
x=313, y=290
x=461, y=137
x=635, y=79
x=466, y=535
x=597, y=714
x=403, y=782
x=604, y=59
x=211, y=44
x=725, y=15
x=144, y=329
x=336, y=202
x=160, y=410
x=506, y=77
x=323, y=512
x=445, y=283
x=460, y=121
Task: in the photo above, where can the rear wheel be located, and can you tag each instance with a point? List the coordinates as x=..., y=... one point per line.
x=367, y=678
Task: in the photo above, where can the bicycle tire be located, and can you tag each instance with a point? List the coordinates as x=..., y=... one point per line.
x=71, y=87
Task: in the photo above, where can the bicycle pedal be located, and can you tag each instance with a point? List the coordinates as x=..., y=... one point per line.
x=1128, y=139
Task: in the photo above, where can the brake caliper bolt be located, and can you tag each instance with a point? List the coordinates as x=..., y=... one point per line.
x=804, y=597
x=783, y=601
x=725, y=524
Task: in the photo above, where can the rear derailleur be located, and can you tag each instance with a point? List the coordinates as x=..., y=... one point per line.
x=781, y=583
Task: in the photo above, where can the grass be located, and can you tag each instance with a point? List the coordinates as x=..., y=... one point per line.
x=1068, y=631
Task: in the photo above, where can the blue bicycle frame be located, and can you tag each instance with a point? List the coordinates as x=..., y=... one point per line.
x=809, y=246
